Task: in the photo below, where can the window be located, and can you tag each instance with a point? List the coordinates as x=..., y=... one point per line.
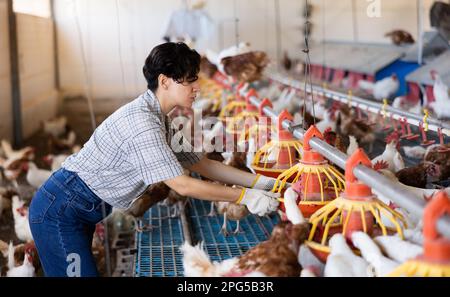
x=39, y=8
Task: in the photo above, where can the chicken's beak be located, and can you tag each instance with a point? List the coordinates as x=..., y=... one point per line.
x=30, y=258
x=47, y=159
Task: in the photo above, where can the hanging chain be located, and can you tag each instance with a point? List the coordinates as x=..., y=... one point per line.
x=236, y=24
x=307, y=71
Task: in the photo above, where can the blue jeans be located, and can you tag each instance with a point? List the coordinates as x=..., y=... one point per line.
x=63, y=215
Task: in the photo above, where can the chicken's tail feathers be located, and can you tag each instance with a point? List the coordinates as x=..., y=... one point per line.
x=11, y=261
x=196, y=262
x=366, y=85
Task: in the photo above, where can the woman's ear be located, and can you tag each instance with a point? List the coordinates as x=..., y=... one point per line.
x=163, y=81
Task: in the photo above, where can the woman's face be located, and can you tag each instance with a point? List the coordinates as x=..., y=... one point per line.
x=184, y=93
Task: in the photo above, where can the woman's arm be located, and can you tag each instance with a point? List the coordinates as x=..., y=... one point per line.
x=220, y=172
x=192, y=187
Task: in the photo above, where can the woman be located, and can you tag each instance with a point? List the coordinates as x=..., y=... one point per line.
x=127, y=153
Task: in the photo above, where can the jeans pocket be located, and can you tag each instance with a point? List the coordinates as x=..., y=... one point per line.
x=82, y=204
x=86, y=210
x=40, y=205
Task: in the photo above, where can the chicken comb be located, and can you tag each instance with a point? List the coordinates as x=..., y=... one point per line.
x=333, y=109
x=381, y=164
x=394, y=136
x=329, y=136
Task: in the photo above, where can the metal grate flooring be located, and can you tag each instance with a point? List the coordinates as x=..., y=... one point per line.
x=219, y=247
x=158, y=250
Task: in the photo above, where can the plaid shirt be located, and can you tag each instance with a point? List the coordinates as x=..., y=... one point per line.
x=128, y=152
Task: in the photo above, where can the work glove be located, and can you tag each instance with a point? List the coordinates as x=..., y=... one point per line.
x=259, y=202
x=262, y=182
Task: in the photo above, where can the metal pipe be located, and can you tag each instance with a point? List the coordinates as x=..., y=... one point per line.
x=408, y=200
x=55, y=47
x=420, y=32
x=374, y=107
x=15, y=76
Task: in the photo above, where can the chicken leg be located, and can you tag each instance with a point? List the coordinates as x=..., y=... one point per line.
x=176, y=212
x=238, y=228
x=212, y=212
x=144, y=228
x=224, y=230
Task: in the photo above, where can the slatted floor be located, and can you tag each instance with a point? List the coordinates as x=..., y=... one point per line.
x=206, y=229
x=158, y=250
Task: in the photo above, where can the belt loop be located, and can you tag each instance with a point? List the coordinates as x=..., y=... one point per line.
x=70, y=178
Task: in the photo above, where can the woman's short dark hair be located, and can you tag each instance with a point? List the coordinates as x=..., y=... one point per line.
x=174, y=60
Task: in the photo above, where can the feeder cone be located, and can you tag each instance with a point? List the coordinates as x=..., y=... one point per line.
x=263, y=131
x=356, y=209
x=435, y=262
x=313, y=178
x=280, y=153
x=234, y=107
x=246, y=118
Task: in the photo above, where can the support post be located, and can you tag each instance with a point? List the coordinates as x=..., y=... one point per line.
x=15, y=77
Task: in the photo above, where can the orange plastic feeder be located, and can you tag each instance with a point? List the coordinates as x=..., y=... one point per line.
x=435, y=262
x=261, y=132
x=314, y=179
x=234, y=107
x=280, y=153
x=357, y=209
x=246, y=119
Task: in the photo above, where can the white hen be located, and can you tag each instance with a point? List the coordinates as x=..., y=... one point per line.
x=382, y=89
x=196, y=262
x=392, y=157
x=441, y=105
x=353, y=146
x=415, y=152
x=293, y=213
x=307, y=259
x=286, y=102
x=21, y=225
x=342, y=262
x=37, y=177
x=25, y=270
x=55, y=127
x=251, y=153
x=55, y=162
x=26, y=153
x=397, y=249
x=326, y=123
x=371, y=252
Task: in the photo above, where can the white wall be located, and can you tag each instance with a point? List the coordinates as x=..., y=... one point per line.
x=39, y=99
x=394, y=14
x=37, y=73
x=34, y=7
x=143, y=22
x=5, y=79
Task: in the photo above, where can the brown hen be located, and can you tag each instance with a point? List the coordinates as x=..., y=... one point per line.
x=278, y=256
x=246, y=67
